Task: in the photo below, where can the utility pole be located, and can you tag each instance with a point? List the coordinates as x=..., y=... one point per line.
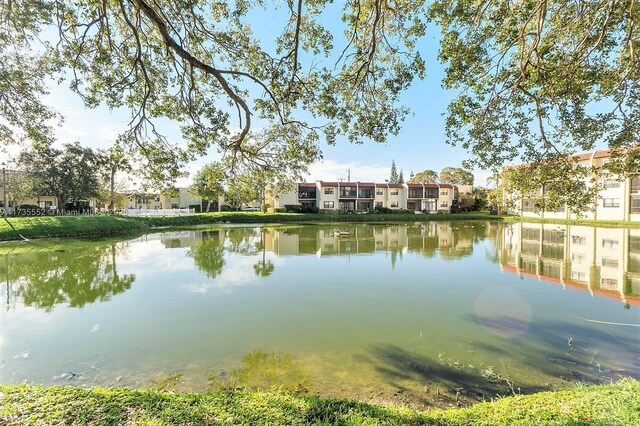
x=348, y=175
x=4, y=189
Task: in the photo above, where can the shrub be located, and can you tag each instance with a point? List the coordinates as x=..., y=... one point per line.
x=226, y=208
x=383, y=210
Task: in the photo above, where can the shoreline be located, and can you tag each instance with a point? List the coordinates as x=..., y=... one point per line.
x=617, y=403
x=20, y=228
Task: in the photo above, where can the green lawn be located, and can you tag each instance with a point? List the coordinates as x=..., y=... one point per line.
x=616, y=404
x=68, y=226
x=64, y=226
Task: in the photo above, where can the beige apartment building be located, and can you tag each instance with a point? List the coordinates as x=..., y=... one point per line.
x=618, y=200
x=182, y=200
x=605, y=261
x=365, y=196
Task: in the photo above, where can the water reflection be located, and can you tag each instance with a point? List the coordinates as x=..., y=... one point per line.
x=261, y=371
x=603, y=261
x=45, y=278
x=377, y=312
x=208, y=253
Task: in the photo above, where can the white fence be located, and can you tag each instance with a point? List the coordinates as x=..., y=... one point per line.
x=157, y=212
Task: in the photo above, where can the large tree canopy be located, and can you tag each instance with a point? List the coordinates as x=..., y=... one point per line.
x=535, y=80
x=200, y=64
x=539, y=80
x=456, y=176
x=425, y=176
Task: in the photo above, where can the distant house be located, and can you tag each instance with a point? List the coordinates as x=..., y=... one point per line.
x=181, y=199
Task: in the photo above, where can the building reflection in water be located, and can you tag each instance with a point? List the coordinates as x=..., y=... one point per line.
x=426, y=238
x=604, y=261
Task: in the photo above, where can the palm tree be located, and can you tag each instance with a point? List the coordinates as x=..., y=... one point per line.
x=495, y=179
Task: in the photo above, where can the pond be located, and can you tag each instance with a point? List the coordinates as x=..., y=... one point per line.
x=420, y=314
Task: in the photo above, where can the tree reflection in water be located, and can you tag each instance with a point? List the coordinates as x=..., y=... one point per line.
x=43, y=279
x=263, y=370
x=208, y=254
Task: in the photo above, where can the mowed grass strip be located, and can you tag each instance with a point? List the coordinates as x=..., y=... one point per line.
x=104, y=225
x=613, y=404
x=60, y=226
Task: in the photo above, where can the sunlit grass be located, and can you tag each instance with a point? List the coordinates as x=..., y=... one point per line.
x=62, y=226
x=615, y=404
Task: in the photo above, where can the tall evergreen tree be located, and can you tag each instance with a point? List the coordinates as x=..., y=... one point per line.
x=393, y=178
x=401, y=177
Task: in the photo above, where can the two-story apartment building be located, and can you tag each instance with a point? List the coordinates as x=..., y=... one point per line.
x=365, y=196
x=619, y=198
x=181, y=199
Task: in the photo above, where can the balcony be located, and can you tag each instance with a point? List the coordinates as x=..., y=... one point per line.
x=415, y=193
x=366, y=193
x=307, y=195
x=348, y=192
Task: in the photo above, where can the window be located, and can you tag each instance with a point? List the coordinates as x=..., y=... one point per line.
x=378, y=203
x=577, y=258
x=528, y=206
x=609, y=262
x=609, y=283
x=379, y=191
x=609, y=243
x=175, y=206
x=329, y=191
x=444, y=192
x=394, y=204
x=328, y=204
x=611, y=202
x=634, y=202
x=444, y=204
x=578, y=276
x=578, y=240
x=634, y=205
x=393, y=192
x=611, y=183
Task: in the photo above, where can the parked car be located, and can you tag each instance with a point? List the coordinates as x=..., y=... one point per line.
x=250, y=209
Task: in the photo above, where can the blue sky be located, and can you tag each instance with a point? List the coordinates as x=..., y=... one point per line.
x=420, y=145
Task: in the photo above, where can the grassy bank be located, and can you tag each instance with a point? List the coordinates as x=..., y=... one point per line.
x=616, y=404
x=581, y=222
x=67, y=226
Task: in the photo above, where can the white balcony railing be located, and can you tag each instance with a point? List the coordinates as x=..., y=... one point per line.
x=158, y=212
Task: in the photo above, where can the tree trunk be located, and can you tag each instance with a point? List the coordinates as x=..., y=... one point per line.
x=112, y=189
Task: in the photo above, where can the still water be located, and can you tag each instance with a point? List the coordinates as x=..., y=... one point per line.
x=426, y=314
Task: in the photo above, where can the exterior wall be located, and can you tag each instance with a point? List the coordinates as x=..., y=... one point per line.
x=445, y=197
x=146, y=201
x=185, y=200
x=330, y=199
x=613, y=201
x=392, y=196
x=396, y=201
x=280, y=199
x=43, y=201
